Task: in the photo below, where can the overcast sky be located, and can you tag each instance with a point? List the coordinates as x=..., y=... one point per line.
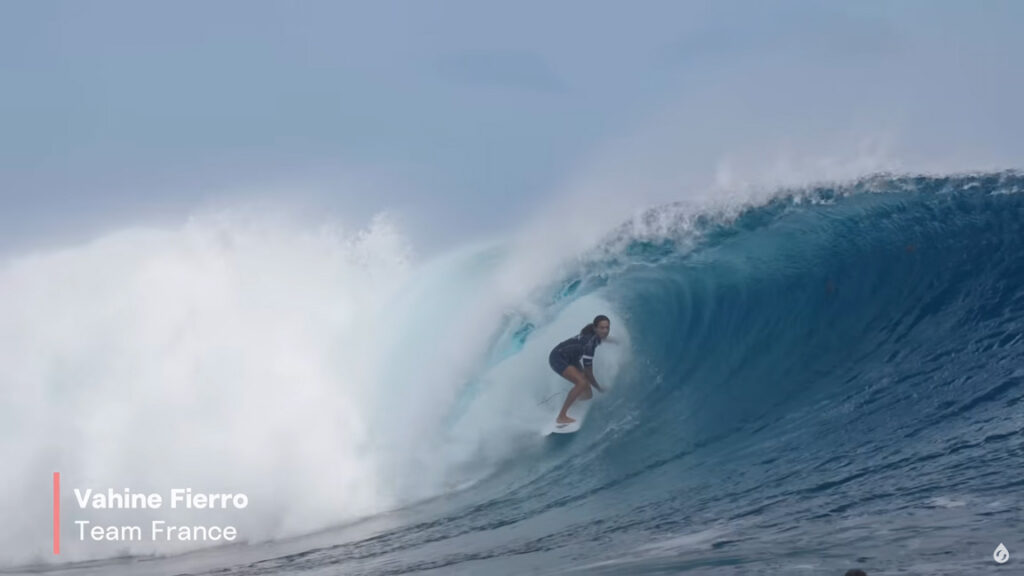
x=464, y=118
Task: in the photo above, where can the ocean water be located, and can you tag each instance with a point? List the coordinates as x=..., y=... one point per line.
x=827, y=379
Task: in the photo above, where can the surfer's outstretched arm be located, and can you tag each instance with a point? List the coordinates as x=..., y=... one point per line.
x=589, y=371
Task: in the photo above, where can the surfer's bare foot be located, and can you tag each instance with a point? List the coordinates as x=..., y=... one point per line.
x=565, y=420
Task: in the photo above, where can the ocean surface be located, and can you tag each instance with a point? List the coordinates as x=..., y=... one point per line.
x=829, y=378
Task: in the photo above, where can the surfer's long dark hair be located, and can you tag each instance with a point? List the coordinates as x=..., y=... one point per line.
x=592, y=327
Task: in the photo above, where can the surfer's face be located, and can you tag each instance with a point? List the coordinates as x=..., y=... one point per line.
x=603, y=328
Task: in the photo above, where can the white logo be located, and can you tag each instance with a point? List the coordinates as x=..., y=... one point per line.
x=1001, y=555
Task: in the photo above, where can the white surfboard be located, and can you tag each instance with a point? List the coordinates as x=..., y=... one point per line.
x=578, y=410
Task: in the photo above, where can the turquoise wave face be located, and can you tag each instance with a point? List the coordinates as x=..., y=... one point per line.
x=832, y=355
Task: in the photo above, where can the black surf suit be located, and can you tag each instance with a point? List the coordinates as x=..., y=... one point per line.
x=574, y=351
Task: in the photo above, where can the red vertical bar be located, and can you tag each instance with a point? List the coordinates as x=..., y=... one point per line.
x=56, y=512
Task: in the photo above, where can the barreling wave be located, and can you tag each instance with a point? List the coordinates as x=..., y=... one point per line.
x=782, y=370
x=832, y=354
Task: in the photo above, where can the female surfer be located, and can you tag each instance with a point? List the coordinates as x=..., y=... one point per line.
x=565, y=359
